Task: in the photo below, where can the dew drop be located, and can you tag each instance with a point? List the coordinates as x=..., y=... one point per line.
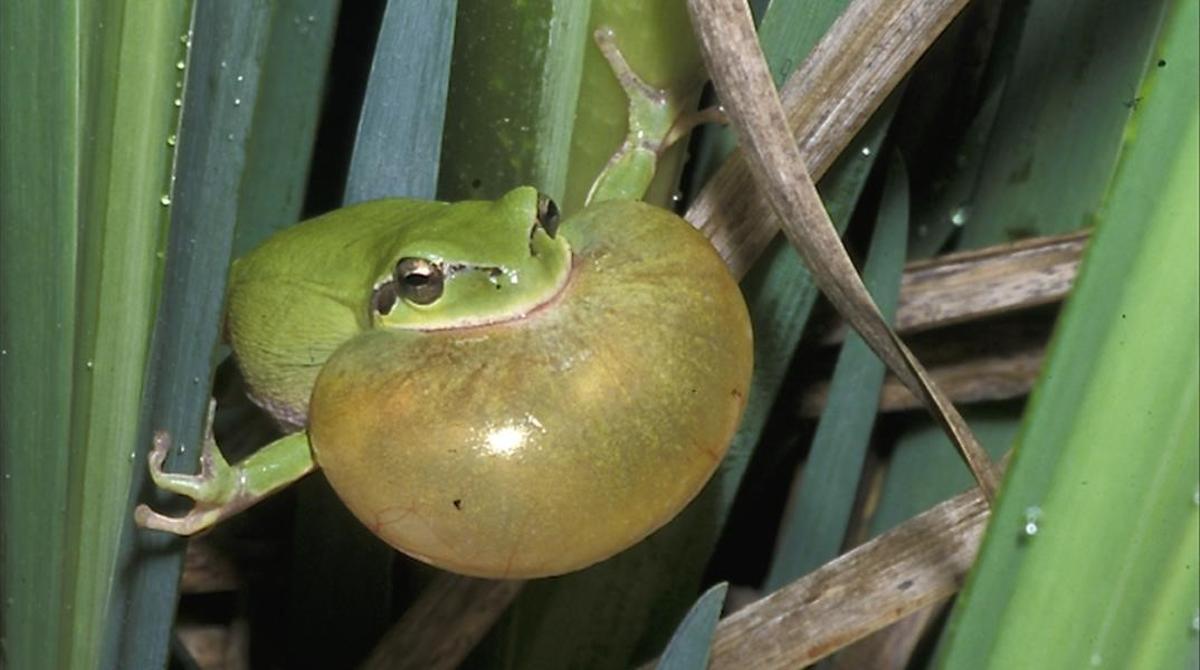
x=676, y=197
x=183, y=38
x=180, y=65
x=1096, y=659
x=132, y=456
x=165, y=200
x=237, y=101
x=195, y=380
x=866, y=151
x=179, y=84
x=960, y=215
x=171, y=139
x=241, y=78
x=3, y=352
x=1195, y=617
x=89, y=365
x=178, y=102
x=229, y=137
x=224, y=65
x=312, y=18
x=1033, y=514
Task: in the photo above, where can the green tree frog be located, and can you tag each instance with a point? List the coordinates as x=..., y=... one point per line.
x=489, y=389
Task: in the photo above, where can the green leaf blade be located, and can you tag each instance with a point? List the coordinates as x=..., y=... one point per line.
x=39, y=202
x=341, y=600
x=1054, y=145
x=1091, y=549
x=129, y=85
x=817, y=516
x=691, y=644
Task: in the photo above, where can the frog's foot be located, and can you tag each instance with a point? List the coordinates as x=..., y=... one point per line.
x=216, y=489
x=222, y=490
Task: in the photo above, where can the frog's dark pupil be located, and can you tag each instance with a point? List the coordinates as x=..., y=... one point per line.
x=416, y=279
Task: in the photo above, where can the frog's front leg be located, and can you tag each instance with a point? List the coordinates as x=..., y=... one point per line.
x=656, y=121
x=222, y=490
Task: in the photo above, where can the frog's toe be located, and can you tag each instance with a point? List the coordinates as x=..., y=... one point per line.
x=191, y=523
x=211, y=486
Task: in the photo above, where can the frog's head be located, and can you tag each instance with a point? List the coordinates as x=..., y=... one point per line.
x=396, y=264
x=476, y=263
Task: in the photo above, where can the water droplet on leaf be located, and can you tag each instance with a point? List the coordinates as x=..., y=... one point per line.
x=1033, y=515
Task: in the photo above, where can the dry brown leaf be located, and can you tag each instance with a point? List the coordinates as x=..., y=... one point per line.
x=731, y=51
x=829, y=98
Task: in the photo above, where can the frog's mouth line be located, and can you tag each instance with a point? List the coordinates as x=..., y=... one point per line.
x=553, y=299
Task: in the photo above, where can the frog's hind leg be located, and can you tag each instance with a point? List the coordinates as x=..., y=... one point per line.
x=222, y=490
x=656, y=121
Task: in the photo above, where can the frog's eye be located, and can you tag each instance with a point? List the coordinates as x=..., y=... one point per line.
x=547, y=214
x=419, y=281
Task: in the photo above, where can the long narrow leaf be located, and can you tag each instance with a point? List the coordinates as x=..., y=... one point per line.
x=232, y=84
x=342, y=591
x=1058, y=127
x=689, y=646
x=1091, y=556
x=128, y=83
x=817, y=516
x=512, y=97
x=280, y=144
x=39, y=204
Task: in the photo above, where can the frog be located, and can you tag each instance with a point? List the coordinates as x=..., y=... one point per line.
x=490, y=387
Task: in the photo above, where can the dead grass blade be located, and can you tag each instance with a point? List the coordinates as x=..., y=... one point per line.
x=921, y=562
x=977, y=284
x=862, y=58
x=444, y=625
x=729, y=43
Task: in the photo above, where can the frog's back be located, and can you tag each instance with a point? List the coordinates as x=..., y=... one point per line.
x=303, y=292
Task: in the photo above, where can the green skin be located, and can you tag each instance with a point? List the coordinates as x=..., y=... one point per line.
x=610, y=357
